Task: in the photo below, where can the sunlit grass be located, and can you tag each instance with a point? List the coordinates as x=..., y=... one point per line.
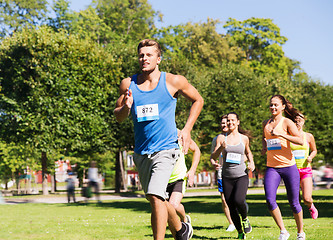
x=130, y=219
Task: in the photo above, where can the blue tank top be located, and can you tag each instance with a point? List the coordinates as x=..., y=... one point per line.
x=153, y=115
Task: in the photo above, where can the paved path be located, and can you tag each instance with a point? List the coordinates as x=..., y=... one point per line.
x=62, y=198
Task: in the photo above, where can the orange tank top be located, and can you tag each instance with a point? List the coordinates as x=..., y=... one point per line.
x=278, y=149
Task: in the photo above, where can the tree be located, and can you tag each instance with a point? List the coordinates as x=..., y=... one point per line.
x=87, y=24
x=262, y=42
x=200, y=43
x=56, y=92
x=128, y=18
x=15, y=15
x=14, y=161
x=63, y=15
x=316, y=103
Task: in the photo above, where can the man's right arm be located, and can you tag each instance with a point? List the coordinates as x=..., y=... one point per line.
x=218, y=148
x=124, y=102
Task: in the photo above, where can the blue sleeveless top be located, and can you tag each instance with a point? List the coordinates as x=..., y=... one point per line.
x=153, y=115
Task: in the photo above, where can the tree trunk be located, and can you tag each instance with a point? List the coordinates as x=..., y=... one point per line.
x=122, y=170
x=119, y=172
x=44, y=174
x=28, y=188
x=53, y=186
x=212, y=179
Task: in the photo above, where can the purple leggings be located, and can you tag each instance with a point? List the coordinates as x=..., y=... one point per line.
x=291, y=179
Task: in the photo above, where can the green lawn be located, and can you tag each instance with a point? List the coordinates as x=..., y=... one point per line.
x=130, y=219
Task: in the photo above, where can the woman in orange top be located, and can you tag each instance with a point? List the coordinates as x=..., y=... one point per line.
x=278, y=132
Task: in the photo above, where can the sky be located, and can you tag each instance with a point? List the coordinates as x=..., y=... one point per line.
x=308, y=24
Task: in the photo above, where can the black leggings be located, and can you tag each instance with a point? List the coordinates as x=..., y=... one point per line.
x=235, y=190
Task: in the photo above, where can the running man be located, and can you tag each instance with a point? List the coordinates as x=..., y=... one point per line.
x=151, y=98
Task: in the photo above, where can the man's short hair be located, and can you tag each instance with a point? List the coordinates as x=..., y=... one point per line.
x=150, y=43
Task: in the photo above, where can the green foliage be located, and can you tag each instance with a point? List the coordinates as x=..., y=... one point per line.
x=262, y=43
x=15, y=15
x=14, y=160
x=87, y=24
x=59, y=85
x=128, y=18
x=63, y=15
x=316, y=102
x=199, y=43
x=56, y=91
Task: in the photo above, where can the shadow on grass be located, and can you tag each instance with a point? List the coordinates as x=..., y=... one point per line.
x=212, y=205
x=195, y=236
x=140, y=206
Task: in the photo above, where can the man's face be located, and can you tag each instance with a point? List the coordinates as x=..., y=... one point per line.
x=224, y=125
x=148, y=58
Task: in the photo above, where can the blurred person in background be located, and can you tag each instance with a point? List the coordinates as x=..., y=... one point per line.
x=93, y=180
x=70, y=186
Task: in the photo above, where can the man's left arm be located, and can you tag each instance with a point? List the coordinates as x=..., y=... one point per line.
x=192, y=94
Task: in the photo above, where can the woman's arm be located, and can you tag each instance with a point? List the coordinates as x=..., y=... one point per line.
x=313, y=147
x=249, y=154
x=263, y=140
x=219, y=147
x=195, y=161
x=294, y=135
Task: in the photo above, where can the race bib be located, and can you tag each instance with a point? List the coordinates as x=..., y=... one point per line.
x=147, y=112
x=273, y=144
x=299, y=154
x=234, y=158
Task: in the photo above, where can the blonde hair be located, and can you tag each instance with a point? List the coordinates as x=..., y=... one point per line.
x=150, y=43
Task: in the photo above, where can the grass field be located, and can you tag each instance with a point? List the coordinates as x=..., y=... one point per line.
x=130, y=219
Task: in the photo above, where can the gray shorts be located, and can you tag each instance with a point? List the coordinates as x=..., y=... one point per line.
x=155, y=170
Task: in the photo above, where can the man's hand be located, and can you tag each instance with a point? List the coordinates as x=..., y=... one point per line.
x=185, y=139
x=128, y=98
x=190, y=178
x=215, y=164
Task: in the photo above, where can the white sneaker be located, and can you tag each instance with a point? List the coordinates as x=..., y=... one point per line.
x=301, y=236
x=284, y=236
x=231, y=228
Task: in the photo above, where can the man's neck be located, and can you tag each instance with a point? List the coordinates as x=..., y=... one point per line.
x=150, y=76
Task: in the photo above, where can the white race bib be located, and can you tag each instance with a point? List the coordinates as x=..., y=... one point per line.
x=147, y=112
x=273, y=144
x=233, y=158
x=299, y=154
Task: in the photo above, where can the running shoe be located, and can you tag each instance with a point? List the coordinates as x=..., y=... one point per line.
x=313, y=212
x=284, y=235
x=301, y=236
x=187, y=234
x=188, y=219
x=241, y=236
x=231, y=228
x=246, y=225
